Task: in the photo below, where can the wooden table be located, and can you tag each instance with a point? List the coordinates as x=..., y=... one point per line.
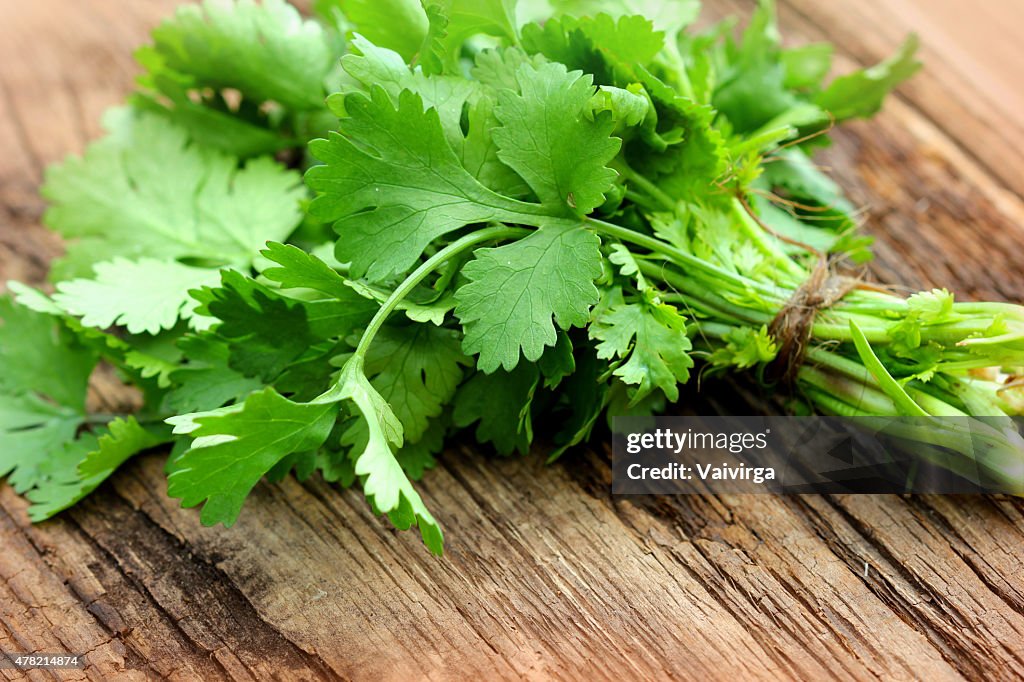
x=547, y=575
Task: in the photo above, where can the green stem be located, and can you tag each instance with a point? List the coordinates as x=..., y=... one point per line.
x=642, y=200
x=679, y=257
x=765, y=243
x=649, y=188
x=428, y=266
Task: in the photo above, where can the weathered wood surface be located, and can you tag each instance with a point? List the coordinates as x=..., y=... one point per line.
x=547, y=575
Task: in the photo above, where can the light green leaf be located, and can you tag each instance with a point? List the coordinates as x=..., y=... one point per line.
x=266, y=50
x=376, y=66
x=234, y=449
x=546, y=138
x=651, y=338
x=143, y=296
x=463, y=19
x=82, y=465
x=299, y=269
x=207, y=381
x=860, y=94
x=515, y=290
x=384, y=482
x=147, y=192
x=807, y=65
x=40, y=356
x=399, y=25
x=125, y=437
x=670, y=16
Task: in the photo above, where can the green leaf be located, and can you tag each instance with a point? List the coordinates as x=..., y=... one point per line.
x=384, y=482
x=144, y=296
x=557, y=362
x=44, y=375
x=299, y=269
x=38, y=355
x=416, y=369
x=586, y=396
x=688, y=171
x=147, y=192
x=433, y=309
x=547, y=139
x=860, y=94
x=391, y=184
x=207, y=381
x=669, y=16
x=746, y=347
x=626, y=106
x=234, y=449
x=125, y=437
x=83, y=464
x=651, y=338
x=806, y=66
x=416, y=458
x=266, y=331
x=376, y=66
x=463, y=19
x=499, y=403
x=515, y=290
x=399, y=25
x=265, y=50
x=33, y=433
x=752, y=90
x=608, y=48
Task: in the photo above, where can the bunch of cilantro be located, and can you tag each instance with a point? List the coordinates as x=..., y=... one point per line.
x=506, y=213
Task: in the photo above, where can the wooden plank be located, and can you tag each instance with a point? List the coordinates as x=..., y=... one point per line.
x=547, y=575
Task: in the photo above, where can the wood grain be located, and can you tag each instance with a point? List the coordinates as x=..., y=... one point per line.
x=547, y=576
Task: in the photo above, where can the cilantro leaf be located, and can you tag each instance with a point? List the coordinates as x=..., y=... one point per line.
x=807, y=65
x=399, y=25
x=745, y=347
x=416, y=369
x=651, y=338
x=860, y=94
x=32, y=433
x=299, y=269
x=499, y=404
x=669, y=16
x=144, y=296
x=44, y=375
x=207, y=381
x=384, y=482
x=546, y=138
x=557, y=362
x=265, y=331
x=391, y=184
x=688, y=171
x=752, y=90
x=40, y=356
x=601, y=45
x=463, y=19
x=376, y=66
x=265, y=50
x=233, y=449
x=416, y=458
x=147, y=192
x=515, y=290
x=83, y=464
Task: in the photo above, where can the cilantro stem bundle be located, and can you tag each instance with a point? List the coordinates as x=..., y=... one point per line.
x=502, y=220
